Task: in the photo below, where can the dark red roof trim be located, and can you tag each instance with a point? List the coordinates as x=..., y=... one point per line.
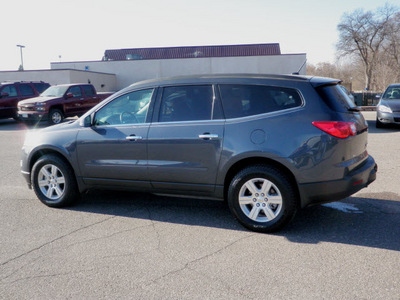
x=193, y=52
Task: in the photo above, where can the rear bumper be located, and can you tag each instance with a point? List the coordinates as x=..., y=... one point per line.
x=322, y=192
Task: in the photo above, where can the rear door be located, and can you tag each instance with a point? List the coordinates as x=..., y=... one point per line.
x=91, y=98
x=185, y=142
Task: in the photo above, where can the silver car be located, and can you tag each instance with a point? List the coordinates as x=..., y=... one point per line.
x=388, y=108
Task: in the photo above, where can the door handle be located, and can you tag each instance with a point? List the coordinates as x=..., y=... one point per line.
x=208, y=136
x=134, y=138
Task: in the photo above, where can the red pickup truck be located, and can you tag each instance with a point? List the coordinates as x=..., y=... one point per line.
x=59, y=102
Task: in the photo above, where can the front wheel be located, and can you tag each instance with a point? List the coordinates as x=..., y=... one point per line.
x=54, y=182
x=55, y=116
x=262, y=198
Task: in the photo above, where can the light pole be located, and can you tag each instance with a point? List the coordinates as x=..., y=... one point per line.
x=22, y=60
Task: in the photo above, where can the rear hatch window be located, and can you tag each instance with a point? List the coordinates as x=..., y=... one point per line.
x=336, y=98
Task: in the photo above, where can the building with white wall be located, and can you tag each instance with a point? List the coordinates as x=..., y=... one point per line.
x=133, y=65
x=120, y=68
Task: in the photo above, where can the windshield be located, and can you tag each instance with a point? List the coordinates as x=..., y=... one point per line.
x=392, y=93
x=54, y=91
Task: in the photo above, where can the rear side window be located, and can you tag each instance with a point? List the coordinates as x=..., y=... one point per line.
x=186, y=103
x=26, y=90
x=335, y=98
x=247, y=100
x=89, y=91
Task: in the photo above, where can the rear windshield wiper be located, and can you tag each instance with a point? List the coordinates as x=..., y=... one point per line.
x=355, y=108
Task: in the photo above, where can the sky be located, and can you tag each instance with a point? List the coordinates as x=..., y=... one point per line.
x=81, y=30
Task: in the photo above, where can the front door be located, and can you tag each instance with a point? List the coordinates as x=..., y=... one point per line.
x=113, y=151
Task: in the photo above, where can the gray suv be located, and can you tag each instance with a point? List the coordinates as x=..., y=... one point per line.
x=267, y=144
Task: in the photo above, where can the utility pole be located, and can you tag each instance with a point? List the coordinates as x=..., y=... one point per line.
x=21, y=68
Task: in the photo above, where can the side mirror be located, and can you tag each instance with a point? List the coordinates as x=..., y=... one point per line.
x=87, y=121
x=69, y=95
x=4, y=95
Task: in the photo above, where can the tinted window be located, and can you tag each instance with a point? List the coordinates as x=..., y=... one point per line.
x=40, y=87
x=130, y=108
x=26, y=90
x=10, y=90
x=186, y=103
x=76, y=91
x=89, y=91
x=247, y=100
x=336, y=98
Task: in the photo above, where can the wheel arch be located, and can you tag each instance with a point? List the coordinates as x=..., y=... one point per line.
x=251, y=161
x=60, y=107
x=37, y=154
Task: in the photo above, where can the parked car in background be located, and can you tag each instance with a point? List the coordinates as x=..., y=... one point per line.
x=59, y=102
x=388, y=108
x=11, y=92
x=269, y=145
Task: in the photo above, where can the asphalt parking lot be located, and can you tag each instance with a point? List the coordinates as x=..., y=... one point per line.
x=116, y=245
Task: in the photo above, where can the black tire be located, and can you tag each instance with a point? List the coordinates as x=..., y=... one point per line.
x=379, y=124
x=55, y=116
x=54, y=181
x=261, y=212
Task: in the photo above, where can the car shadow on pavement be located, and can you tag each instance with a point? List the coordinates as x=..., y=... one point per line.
x=354, y=221
x=387, y=129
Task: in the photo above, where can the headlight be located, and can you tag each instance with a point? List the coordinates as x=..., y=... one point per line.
x=39, y=106
x=384, y=109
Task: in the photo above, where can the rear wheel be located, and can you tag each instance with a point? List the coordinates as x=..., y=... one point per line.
x=54, y=182
x=262, y=198
x=55, y=116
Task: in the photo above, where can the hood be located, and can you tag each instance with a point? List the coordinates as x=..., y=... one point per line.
x=36, y=99
x=393, y=104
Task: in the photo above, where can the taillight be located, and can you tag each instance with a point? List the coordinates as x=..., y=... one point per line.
x=340, y=130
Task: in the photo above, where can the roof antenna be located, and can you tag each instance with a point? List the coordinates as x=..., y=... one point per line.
x=298, y=72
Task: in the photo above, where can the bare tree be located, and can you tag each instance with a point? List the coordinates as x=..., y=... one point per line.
x=364, y=35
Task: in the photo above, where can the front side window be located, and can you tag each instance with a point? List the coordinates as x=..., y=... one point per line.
x=248, y=100
x=10, y=90
x=76, y=91
x=186, y=103
x=130, y=108
x=26, y=90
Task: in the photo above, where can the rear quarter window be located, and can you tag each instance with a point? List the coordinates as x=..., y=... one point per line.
x=335, y=98
x=248, y=100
